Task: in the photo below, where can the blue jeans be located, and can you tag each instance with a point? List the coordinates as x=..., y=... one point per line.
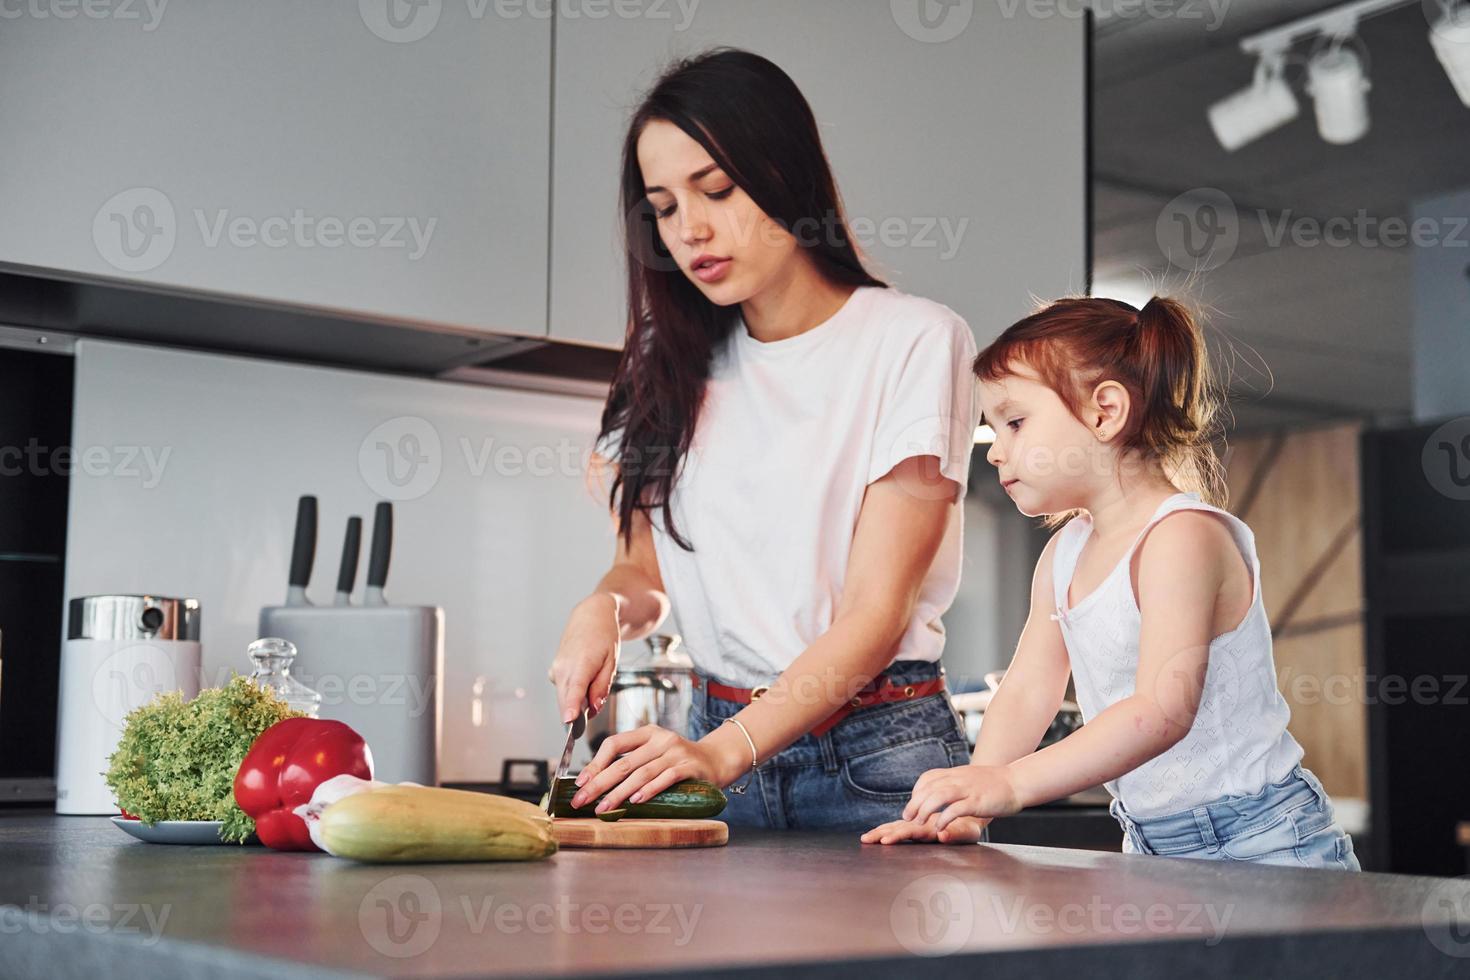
x=1288, y=823
x=856, y=775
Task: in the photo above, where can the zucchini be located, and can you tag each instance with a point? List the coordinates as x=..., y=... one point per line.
x=692, y=799
x=426, y=823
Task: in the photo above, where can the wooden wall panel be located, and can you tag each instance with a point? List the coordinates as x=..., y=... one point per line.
x=1318, y=676
x=1299, y=492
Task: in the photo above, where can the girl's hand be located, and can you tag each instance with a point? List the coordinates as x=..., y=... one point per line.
x=638, y=765
x=587, y=656
x=975, y=791
x=961, y=830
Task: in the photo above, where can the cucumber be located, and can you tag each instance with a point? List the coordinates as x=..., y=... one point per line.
x=692, y=799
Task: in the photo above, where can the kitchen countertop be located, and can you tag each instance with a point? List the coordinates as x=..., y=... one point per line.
x=78, y=897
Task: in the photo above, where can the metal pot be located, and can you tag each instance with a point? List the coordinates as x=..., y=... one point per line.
x=655, y=690
x=971, y=706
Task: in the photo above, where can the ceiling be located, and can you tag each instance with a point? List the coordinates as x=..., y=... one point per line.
x=1304, y=333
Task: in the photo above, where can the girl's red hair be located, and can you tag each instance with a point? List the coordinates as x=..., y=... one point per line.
x=1157, y=353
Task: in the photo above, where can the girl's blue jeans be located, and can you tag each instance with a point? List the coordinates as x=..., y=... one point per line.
x=1288, y=823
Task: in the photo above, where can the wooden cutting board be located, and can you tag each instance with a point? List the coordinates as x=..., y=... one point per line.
x=632, y=832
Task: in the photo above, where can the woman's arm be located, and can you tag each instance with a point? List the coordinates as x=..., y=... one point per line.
x=899, y=530
x=635, y=584
x=628, y=604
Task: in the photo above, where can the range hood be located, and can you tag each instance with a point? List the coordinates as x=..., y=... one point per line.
x=76, y=307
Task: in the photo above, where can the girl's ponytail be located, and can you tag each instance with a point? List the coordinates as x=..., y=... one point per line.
x=1178, y=418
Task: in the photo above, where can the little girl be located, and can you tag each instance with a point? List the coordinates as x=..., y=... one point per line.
x=1149, y=596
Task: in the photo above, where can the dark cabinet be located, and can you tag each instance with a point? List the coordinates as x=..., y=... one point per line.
x=1416, y=554
x=36, y=460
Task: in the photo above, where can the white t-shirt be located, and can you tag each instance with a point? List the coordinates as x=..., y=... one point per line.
x=789, y=435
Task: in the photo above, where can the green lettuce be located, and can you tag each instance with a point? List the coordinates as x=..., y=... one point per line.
x=177, y=759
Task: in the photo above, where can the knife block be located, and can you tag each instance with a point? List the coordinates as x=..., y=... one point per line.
x=380, y=670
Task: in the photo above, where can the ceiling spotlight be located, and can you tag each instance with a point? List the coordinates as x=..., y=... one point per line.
x=1339, y=89
x=1251, y=113
x=1450, y=38
x=1337, y=77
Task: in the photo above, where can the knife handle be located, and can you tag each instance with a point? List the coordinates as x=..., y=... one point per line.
x=351, y=548
x=303, y=550
x=382, y=546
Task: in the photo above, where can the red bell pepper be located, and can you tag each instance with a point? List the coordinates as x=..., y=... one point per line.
x=283, y=767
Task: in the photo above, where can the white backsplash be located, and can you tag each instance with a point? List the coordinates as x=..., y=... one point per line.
x=200, y=459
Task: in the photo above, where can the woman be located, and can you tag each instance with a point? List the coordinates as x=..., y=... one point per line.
x=791, y=445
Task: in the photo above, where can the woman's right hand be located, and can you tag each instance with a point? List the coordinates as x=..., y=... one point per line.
x=587, y=656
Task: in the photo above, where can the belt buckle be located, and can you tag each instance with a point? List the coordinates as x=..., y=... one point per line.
x=756, y=692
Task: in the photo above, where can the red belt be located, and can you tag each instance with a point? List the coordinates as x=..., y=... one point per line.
x=880, y=691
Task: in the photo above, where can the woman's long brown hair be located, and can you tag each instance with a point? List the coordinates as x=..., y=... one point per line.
x=755, y=124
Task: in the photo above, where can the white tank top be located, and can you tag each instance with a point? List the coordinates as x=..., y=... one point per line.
x=1238, y=743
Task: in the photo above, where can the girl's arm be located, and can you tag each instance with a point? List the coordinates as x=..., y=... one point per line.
x=1017, y=716
x=899, y=530
x=1023, y=708
x=1181, y=571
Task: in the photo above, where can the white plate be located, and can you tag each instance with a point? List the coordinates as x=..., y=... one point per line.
x=172, y=831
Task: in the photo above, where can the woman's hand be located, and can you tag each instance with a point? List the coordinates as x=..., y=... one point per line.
x=587, y=656
x=638, y=765
x=961, y=830
x=971, y=790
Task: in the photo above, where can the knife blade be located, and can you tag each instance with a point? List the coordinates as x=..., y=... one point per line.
x=575, y=730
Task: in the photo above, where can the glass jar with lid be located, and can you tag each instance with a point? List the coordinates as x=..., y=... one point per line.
x=272, y=657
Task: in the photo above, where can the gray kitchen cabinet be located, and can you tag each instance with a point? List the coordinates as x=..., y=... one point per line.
x=381, y=158
x=956, y=132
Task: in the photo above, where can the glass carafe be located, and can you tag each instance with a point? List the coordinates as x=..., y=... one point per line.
x=272, y=657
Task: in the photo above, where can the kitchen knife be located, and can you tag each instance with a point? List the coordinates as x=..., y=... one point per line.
x=303, y=552
x=381, y=551
x=347, y=572
x=575, y=730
